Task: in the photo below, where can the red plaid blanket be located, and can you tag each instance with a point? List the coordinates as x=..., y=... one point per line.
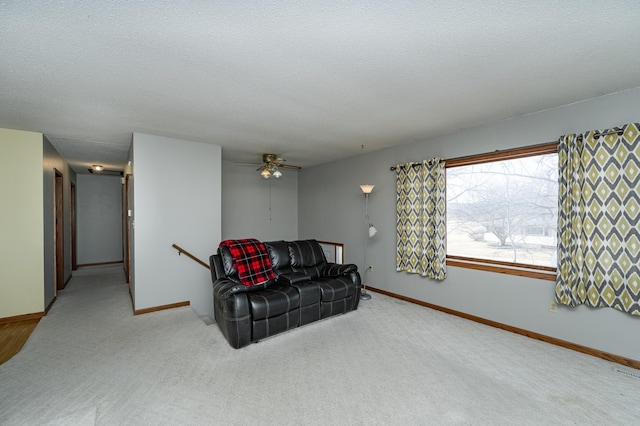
x=251, y=260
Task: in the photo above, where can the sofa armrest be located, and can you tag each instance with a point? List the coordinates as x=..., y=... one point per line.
x=232, y=312
x=225, y=287
x=336, y=270
x=293, y=278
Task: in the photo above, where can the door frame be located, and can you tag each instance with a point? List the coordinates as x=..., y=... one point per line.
x=74, y=241
x=58, y=233
x=127, y=227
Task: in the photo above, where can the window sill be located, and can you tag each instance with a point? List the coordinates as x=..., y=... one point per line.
x=530, y=271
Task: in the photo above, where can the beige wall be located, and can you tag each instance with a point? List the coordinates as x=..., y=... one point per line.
x=21, y=223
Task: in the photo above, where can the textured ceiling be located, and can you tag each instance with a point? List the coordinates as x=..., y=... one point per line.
x=312, y=81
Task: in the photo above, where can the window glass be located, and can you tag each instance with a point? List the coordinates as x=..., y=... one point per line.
x=504, y=210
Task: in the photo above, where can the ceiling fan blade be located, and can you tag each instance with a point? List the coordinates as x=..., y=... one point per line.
x=271, y=163
x=242, y=163
x=289, y=166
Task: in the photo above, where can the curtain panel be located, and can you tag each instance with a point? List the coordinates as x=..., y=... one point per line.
x=420, y=218
x=598, y=218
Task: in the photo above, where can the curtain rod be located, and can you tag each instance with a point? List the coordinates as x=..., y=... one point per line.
x=498, y=151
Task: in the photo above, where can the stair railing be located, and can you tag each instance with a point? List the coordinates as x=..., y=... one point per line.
x=189, y=255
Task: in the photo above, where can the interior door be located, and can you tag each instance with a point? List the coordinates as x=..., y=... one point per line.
x=127, y=226
x=74, y=244
x=59, y=229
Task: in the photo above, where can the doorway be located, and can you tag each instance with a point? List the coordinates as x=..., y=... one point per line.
x=59, y=228
x=126, y=211
x=74, y=243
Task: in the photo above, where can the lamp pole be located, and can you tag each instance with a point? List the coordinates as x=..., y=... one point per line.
x=366, y=189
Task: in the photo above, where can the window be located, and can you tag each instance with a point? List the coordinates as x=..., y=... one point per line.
x=502, y=211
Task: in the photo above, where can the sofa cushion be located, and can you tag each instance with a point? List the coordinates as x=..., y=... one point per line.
x=336, y=288
x=263, y=328
x=337, y=307
x=279, y=255
x=251, y=260
x=306, y=253
x=309, y=292
x=307, y=257
x=273, y=300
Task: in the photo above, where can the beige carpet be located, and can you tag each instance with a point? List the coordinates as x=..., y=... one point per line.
x=90, y=361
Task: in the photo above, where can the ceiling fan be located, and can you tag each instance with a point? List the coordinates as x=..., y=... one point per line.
x=271, y=165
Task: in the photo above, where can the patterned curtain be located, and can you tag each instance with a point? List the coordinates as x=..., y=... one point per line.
x=598, y=218
x=420, y=227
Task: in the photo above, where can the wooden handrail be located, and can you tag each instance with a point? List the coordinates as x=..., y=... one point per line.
x=338, y=251
x=181, y=250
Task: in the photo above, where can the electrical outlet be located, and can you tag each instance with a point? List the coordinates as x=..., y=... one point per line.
x=553, y=307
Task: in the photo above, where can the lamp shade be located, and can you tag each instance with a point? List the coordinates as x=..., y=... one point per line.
x=372, y=230
x=366, y=189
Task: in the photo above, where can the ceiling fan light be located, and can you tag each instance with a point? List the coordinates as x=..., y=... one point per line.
x=271, y=166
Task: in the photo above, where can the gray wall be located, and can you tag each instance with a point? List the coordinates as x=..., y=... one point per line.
x=516, y=301
x=53, y=160
x=99, y=218
x=177, y=195
x=253, y=207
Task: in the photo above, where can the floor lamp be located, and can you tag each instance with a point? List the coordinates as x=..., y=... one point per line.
x=371, y=231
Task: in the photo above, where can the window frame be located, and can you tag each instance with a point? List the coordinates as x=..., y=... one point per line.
x=511, y=268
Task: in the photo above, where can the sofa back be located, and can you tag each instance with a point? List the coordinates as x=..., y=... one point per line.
x=279, y=255
x=245, y=261
x=227, y=262
x=304, y=256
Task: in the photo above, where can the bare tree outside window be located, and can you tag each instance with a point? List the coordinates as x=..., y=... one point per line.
x=504, y=210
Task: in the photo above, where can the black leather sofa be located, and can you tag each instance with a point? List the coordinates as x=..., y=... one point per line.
x=306, y=289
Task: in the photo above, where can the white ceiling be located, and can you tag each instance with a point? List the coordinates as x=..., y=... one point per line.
x=312, y=81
